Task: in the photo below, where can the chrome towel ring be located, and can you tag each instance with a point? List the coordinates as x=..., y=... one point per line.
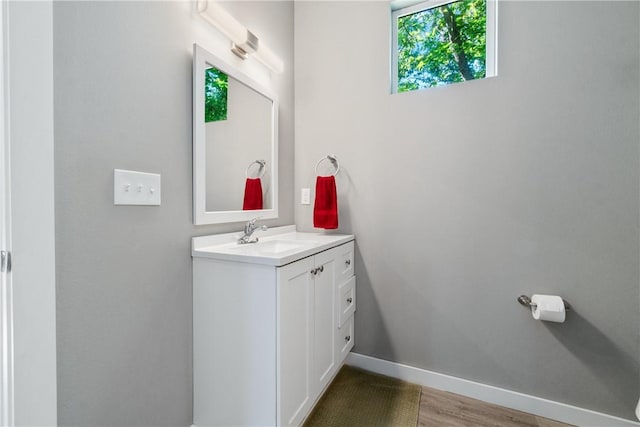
x=262, y=168
x=333, y=159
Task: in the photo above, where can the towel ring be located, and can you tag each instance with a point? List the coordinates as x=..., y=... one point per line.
x=262, y=168
x=333, y=159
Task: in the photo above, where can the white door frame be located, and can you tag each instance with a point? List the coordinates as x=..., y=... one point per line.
x=6, y=305
x=29, y=143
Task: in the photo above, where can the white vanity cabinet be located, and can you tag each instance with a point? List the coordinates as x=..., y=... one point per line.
x=311, y=287
x=269, y=337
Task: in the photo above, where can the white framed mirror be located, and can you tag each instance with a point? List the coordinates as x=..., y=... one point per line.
x=235, y=144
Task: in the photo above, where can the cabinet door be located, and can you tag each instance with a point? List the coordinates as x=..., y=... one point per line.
x=346, y=304
x=344, y=340
x=345, y=262
x=324, y=290
x=295, y=319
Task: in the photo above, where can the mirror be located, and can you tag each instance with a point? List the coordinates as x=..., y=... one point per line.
x=235, y=174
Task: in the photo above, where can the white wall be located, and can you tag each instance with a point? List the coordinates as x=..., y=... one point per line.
x=464, y=197
x=30, y=51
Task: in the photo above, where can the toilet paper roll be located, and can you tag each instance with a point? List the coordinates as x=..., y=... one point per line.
x=548, y=307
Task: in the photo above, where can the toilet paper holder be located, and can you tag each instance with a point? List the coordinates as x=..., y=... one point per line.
x=526, y=301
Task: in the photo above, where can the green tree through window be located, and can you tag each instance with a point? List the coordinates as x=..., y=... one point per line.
x=442, y=45
x=215, y=95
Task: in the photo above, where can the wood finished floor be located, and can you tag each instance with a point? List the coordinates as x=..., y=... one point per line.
x=443, y=409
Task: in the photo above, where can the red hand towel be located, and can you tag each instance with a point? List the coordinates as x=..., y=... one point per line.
x=325, y=209
x=252, y=194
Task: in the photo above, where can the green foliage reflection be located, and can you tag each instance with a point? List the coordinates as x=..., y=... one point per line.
x=215, y=95
x=442, y=45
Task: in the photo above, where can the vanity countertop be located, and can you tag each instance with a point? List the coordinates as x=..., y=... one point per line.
x=277, y=246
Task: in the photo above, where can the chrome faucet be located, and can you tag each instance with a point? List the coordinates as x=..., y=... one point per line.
x=249, y=229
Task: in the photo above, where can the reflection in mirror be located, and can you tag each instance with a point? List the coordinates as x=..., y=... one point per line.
x=215, y=95
x=238, y=132
x=234, y=145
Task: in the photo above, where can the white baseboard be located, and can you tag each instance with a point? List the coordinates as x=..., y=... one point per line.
x=498, y=396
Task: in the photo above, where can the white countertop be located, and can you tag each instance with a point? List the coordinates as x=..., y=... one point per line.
x=277, y=246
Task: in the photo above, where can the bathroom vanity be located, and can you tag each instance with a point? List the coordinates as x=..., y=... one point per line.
x=273, y=323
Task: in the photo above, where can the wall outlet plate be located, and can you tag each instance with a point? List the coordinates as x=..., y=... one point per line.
x=305, y=196
x=136, y=188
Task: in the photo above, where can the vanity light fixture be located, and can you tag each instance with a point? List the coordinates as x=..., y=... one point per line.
x=243, y=41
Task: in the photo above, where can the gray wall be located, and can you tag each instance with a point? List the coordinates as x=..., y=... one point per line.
x=122, y=82
x=464, y=197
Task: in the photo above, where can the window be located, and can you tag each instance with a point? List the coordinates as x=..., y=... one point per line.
x=442, y=42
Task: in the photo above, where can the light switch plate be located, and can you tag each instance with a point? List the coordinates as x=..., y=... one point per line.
x=136, y=188
x=305, y=196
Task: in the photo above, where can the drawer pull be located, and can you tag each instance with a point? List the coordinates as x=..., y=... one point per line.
x=348, y=262
x=314, y=271
x=347, y=338
x=349, y=300
x=321, y=268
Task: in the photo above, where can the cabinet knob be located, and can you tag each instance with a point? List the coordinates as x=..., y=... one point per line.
x=349, y=300
x=321, y=268
x=314, y=271
x=348, y=262
x=347, y=338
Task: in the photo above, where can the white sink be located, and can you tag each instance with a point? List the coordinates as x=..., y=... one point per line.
x=271, y=247
x=276, y=246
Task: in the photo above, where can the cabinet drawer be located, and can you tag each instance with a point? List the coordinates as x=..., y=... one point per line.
x=345, y=339
x=345, y=262
x=346, y=301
